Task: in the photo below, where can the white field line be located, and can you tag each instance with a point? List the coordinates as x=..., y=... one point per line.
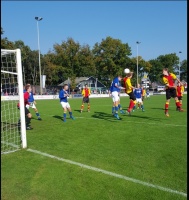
x=93, y=118
x=10, y=144
x=105, y=172
x=109, y=173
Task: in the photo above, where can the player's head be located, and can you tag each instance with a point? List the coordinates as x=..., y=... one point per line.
x=28, y=87
x=86, y=86
x=179, y=84
x=119, y=77
x=138, y=85
x=165, y=71
x=65, y=87
x=129, y=75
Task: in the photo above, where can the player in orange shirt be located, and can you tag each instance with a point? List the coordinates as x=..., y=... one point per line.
x=169, y=80
x=129, y=90
x=180, y=91
x=86, y=93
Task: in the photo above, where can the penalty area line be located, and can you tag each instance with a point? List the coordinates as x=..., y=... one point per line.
x=108, y=173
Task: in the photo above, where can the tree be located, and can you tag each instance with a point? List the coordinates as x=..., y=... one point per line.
x=168, y=61
x=155, y=73
x=86, y=65
x=30, y=63
x=163, y=61
x=2, y=31
x=67, y=54
x=143, y=67
x=55, y=74
x=183, y=70
x=111, y=57
x=6, y=44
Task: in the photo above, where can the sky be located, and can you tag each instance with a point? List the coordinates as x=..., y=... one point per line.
x=160, y=26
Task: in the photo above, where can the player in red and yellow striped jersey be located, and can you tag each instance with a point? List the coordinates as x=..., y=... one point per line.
x=169, y=80
x=180, y=91
x=129, y=90
x=86, y=93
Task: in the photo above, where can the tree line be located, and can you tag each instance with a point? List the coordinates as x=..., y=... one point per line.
x=104, y=61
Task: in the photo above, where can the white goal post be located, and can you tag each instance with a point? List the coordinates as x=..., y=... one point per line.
x=13, y=126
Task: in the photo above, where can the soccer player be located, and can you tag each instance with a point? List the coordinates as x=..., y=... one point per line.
x=143, y=93
x=129, y=90
x=119, y=104
x=86, y=92
x=180, y=92
x=28, y=115
x=138, y=95
x=169, y=80
x=32, y=103
x=147, y=94
x=115, y=90
x=63, y=95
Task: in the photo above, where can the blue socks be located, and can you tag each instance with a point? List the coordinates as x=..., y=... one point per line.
x=113, y=109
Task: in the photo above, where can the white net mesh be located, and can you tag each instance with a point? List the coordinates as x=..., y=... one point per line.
x=10, y=114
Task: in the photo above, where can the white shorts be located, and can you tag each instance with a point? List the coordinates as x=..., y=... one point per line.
x=32, y=105
x=148, y=95
x=115, y=96
x=139, y=100
x=65, y=104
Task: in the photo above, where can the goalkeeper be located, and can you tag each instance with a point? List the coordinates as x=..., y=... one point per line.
x=28, y=115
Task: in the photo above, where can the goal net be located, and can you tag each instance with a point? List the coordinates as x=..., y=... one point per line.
x=13, y=128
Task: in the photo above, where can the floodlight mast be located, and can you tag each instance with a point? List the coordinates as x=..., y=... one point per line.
x=179, y=63
x=137, y=42
x=39, y=19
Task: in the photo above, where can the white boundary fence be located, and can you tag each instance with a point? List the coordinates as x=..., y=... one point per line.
x=39, y=97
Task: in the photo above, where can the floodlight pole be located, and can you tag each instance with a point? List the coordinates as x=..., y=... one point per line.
x=137, y=59
x=179, y=63
x=39, y=19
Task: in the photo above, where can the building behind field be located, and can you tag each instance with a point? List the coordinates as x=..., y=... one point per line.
x=80, y=82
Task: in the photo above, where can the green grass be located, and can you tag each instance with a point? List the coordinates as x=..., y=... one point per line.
x=146, y=146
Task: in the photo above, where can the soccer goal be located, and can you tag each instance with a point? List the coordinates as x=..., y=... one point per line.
x=13, y=128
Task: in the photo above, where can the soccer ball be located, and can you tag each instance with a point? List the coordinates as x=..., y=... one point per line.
x=126, y=70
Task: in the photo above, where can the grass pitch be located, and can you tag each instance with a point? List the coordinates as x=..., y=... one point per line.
x=146, y=146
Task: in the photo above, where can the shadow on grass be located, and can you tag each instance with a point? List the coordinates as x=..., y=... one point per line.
x=58, y=117
x=105, y=116
x=34, y=118
x=78, y=111
x=158, y=108
x=124, y=108
x=174, y=109
x=144, y=117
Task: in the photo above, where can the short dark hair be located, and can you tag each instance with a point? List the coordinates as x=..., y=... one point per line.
x=86, y=85
x=65, y=85
x=166, y=69
x=27, y=86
